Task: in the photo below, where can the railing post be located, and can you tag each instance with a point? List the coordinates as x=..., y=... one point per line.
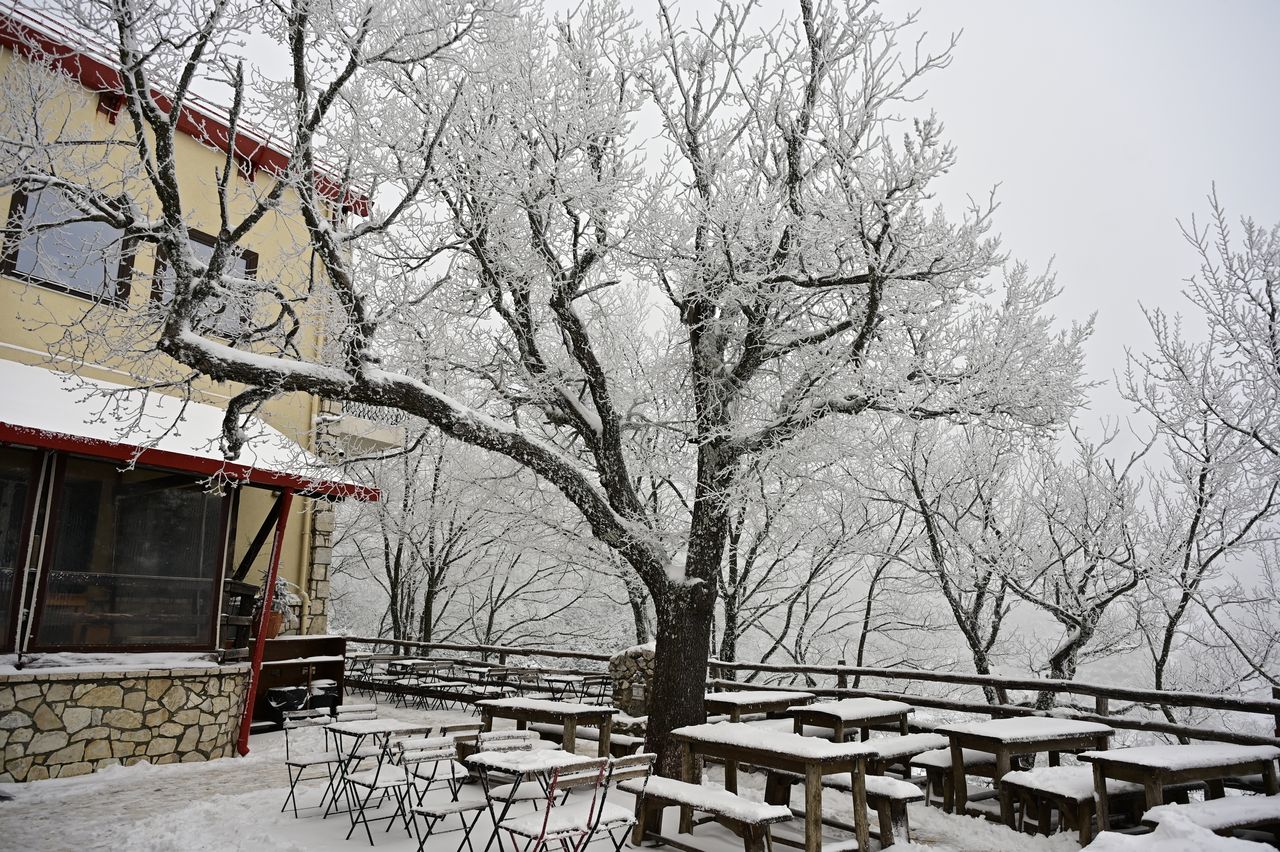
x=842, y=679
x=1101, y=705
x=502, y=658
x=1275, y=694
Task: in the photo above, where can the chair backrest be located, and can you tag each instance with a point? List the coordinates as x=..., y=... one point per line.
x=295, y=719
x=505, y=740
x=455, y=729
x=411, y=752
x=632, y=767
x=355, y=712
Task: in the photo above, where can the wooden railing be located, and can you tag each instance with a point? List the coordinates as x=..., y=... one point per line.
x=840, y=675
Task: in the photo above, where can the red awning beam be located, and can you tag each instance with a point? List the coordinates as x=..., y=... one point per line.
x=259, y=643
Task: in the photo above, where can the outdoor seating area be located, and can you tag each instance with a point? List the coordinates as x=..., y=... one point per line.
x=863, y=767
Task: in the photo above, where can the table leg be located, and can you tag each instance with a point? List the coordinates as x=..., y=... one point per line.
x=1269, y=781
x=860, y=830
x=730, y=765
x=903, y=727
x=1154, y=785
x=1100, y=797
x=689, y=773
x=813, y=809
x=959, y=786
x=486, y=720
x=606, y=733
x=839, y=731
x=570, y=741
x=1055, y=758
x=1003, y=759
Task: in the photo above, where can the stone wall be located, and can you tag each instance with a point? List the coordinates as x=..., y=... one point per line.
x=55, y=724
x=632, y=673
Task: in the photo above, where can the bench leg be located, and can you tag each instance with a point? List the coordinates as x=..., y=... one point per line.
x=756, y=838
x=886, y=824
x=1084, y=821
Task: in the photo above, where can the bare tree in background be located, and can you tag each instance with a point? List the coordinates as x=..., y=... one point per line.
x=779, y=230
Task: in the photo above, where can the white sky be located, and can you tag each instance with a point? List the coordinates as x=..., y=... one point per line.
x=1104, y=124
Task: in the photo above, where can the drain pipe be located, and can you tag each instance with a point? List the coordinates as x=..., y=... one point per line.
x=259, y=644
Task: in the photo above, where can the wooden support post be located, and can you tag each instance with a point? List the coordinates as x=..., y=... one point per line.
x=1275, y=693
x=842, y=679
x=1101, y=706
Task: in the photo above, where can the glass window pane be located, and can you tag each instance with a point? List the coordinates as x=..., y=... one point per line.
x=226, y=317
x=135, y=559
x=16, y=483
x=81, y=256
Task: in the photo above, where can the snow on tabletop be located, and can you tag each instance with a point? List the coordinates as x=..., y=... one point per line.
x=566, y=708
x=743, y=735
x=364, y=727
x=1176, y=833
x=750, y=696
x=55, y=403
x=714, y=800
x=853, y=709
x=889, y=748
x=1193, y=756
x=525, y=761
x=1027, y=729
x=86, y=663
x=1073, y=782
x=1218, y=814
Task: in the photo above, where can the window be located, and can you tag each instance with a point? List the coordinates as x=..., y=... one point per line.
x=48, y=242
x=17, y=484
x=228, y=317
x=133, y=560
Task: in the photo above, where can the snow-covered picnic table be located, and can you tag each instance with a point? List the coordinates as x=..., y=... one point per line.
x=736, y=704
x=1156, y=767
x=851, y=714
x=809, y=757
x=567, y=714
x=1008, y=737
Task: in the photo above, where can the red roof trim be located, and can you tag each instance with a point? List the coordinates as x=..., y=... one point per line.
x=101, y=77
x=28, y=437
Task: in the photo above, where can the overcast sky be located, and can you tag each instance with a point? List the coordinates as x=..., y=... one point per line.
x=1104, y=124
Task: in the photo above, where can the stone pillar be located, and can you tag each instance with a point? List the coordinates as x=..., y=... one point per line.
x=632, y=673
x=321, y=559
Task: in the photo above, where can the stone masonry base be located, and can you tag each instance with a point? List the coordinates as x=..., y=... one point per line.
x=55, y=724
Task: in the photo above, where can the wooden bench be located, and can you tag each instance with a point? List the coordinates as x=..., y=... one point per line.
x=937, y=769
x=888, y=797
x=620, y=745
x=897, y=752
x=1068, y=790
x=750, y=820
x=1223, y=816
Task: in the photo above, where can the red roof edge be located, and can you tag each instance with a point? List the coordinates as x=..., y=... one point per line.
x=101, y=77
x=150, y=457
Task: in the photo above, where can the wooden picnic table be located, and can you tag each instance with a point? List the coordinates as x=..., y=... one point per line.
x=563, y=713
x=810, y=757
x=1006, y=738
x=852, y=714
x=736, y=704
x=1156, y=767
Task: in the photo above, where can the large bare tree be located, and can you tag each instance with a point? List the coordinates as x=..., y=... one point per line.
x=715, y=229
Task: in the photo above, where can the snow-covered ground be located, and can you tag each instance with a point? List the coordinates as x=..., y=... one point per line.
x=235, y=804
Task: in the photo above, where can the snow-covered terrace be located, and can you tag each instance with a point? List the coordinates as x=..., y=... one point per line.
x=235, y=804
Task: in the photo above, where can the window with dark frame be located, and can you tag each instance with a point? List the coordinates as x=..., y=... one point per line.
x=18, y=468
x=51, y=242
x=228, y=318
x=133, y=560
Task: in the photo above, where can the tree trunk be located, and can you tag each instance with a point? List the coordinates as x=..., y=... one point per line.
x=680, y=669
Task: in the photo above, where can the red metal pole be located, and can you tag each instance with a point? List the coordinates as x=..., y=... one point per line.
x=259, y=642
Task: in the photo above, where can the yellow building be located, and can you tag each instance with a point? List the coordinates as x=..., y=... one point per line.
x=112, y=540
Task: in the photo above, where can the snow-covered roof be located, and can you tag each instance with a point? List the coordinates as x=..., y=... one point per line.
x=55, y=410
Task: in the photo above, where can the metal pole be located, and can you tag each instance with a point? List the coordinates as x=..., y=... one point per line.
x=259, y=642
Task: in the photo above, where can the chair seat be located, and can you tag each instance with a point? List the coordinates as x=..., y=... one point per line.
x=566, y=820
x=527, y=792
x=442, y=771
x=315, y=758
x=379, y=778
x=444, y=809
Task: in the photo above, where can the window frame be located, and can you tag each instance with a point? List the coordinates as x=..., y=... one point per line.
x=22, y=566
x=208, y=241
x=17, y=213
x=39, y=599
